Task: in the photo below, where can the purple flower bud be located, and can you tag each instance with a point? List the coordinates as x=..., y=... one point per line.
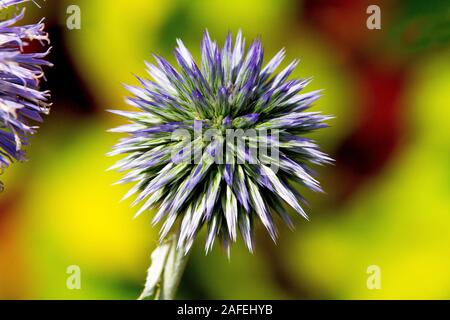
x=21, y=101
x=234, y=95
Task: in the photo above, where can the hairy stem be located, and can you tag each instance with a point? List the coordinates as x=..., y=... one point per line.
x=173, y=271
x=165, y=272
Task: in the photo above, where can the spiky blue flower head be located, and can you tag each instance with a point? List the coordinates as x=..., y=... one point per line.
x=21, y=101
x=189, y=112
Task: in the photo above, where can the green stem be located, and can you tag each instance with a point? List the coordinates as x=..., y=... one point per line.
x=173, y=271
x=165, y=272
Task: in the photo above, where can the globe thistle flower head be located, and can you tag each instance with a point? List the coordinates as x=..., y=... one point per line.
x=21, y=101
x=195, y=146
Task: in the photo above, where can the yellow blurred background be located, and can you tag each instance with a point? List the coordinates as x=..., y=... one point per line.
x=388, y=196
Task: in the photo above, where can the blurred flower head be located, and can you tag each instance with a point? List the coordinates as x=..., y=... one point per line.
x=20, y=72
x=189, y=116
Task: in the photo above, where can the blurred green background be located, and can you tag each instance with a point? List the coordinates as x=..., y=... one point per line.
x=388, y=196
